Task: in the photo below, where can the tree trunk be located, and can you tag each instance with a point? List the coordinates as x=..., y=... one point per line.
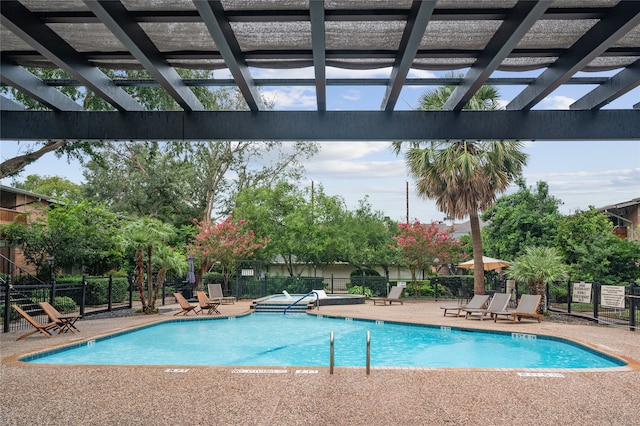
x=538, y=288
x=416, y=291
x=149, y=276
x=162, y=273
x=15, y=165
x=140, y=278
x=478, y=266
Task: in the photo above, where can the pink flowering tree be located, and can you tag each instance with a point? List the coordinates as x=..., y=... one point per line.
x=424, y=246
x=225, y=243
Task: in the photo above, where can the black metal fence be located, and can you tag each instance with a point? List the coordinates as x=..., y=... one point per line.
x=445, y=287
x=612, y=305
x=88, y=296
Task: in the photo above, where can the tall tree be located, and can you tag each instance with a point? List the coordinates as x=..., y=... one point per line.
x=168, y=260
x=83, y=234
x=145, y=236
x=143, y=179
x=528, y=217
x=222, y=169
x=369, y=238
x=464, y=177
x=225, y=243
x=53, y=186
x=303, y=227
x=178, y=181
x=591, y=249
x=424, y=246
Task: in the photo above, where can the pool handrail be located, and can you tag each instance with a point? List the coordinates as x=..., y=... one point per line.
x=294, y=303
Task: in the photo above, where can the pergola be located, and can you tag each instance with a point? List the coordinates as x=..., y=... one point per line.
x=537, y=46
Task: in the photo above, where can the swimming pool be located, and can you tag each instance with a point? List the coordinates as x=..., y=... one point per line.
x=303, y=340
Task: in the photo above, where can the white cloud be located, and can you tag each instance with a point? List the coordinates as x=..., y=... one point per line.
x=349, y=150
x=557, y=102
x=291, y=97
x=579, y=189
x=352, y=95
x=355, y=161
x=413, y=73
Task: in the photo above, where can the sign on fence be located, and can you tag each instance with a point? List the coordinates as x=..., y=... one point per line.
x=612, y=296
x=581, y=292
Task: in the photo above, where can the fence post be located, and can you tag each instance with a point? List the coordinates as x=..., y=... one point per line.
x=84, y=295
x=596, y=298
x=7, y=304
x=633, y=304
x=238, y=288
x=110, y=294
x=569, y=296
x=331, y=283
x=546, y=297
x=435, y=280
x=52, y=283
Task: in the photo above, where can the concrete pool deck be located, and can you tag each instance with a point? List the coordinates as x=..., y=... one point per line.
x=57, y=395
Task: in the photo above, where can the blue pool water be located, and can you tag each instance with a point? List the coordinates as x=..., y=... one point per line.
x=303, y=340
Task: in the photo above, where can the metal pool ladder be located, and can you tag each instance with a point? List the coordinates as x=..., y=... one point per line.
x=294, y=303
x=331, y=353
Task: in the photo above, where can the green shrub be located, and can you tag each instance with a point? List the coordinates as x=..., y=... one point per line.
x=65, y=279
x=558, y=294
x=97, y=291
x=64, y=304
x=212, y=278
x=357, y=289
x=13, y=314
x=376, y=283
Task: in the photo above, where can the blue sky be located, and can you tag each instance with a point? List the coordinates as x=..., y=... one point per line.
x=578, y=173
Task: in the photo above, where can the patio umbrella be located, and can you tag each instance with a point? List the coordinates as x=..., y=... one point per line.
x=191, y=276
x=489, y=263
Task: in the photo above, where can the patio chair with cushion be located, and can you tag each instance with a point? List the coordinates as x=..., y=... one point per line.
x=498, y=303
x=215, y=292
x=42, y=328
x=478, y=301
x=527, y=308
x=211, y=305
x=394, y=296
x=65, y=322
x=184, y=305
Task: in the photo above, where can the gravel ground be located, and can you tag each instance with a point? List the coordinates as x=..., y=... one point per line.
x=55, y=395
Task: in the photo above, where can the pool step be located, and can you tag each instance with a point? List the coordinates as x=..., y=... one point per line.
x=266, y=307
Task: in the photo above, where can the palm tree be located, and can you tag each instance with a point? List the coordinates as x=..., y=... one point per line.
x=538, y=266
x=145, y=235
x=167, y=260
x=464, y=177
